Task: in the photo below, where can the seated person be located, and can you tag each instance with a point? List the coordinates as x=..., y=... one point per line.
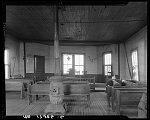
x=112, y=82
x=108, y=91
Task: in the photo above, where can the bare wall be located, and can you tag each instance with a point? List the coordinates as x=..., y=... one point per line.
x=37, y=49
x=93, y=55
x=107, y=48
x=12, y=45
x=139, y=41
x=48, y=51
x=90, y=55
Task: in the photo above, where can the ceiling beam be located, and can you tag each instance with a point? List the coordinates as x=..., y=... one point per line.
x=83, y=2
x=104, y=3
x=73, y=43
x=102, y=21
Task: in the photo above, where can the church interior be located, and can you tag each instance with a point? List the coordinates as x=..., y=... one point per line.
x=75, y=60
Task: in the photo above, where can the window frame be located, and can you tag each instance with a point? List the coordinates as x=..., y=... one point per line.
x=63, y=62
x=73, y=61
x=79, y=65
x=8, y=64
x=132, y=50
x=103, y=63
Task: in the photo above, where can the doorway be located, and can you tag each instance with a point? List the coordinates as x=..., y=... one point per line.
x=39, y=68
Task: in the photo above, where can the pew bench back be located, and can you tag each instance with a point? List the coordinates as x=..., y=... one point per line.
x=128, y=98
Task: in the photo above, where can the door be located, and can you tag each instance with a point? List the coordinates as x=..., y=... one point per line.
x=39, y=68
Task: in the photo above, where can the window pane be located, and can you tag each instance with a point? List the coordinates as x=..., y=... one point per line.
x=78, y=64
x=107, y=70
x=136, y=73
x=6, y=71
x=79, y=70
x=66, y=69
x=6, y=59
x=107, y=59
x=67, y=59
x=79, y=59
x=134, y=58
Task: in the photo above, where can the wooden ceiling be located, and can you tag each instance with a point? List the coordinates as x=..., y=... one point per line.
x=78, y=25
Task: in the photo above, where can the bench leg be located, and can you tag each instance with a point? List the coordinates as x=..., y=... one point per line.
x=118, y=110
x=23, y=93
x=29, y=99
x=36, y=98
x=88, y=100
x=108, y=100
x=65, y=106
x=113, y=104
x=113, y=100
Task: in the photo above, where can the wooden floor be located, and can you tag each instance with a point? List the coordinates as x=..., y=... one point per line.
x=17, y=106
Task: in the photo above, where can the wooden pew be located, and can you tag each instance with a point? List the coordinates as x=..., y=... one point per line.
x=111, y=90
x=91, y=80
x=129, y=97
x=77, y=89
x=17, y=85
x=71, y=89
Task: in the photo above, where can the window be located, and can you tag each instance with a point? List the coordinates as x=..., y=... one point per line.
x=6, y=62
x=73, y=62
x=107, y=64
x=79, y=64
x=134, y=58
x=67, y=63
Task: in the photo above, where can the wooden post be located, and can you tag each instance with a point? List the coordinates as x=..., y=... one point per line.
x=119, y=59
x=127, y=61
x=56, y=85
x=24, y=58
x=56, y=43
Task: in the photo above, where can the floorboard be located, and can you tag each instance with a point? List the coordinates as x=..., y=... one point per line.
x=17, y=106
